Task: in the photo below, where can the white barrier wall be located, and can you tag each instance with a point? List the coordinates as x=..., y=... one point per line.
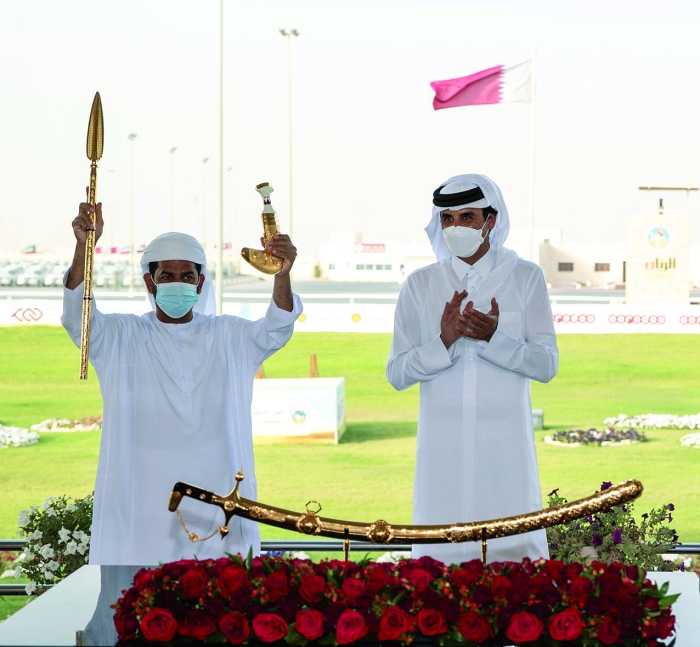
x=379, y=317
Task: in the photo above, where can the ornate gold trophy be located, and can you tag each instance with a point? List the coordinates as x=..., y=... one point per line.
x=259, y=258
x=95, y=140
x=382, y=532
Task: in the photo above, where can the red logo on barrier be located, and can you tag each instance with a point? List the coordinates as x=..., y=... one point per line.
x=28, y=314
x=690, y=320
x=637, y=319
x=574, y=318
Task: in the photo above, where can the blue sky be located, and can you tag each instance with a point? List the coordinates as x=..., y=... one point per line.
x=618, y=99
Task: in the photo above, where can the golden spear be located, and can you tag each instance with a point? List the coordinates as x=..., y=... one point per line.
x=95, y=140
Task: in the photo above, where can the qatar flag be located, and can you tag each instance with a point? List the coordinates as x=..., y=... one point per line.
x=499, y=84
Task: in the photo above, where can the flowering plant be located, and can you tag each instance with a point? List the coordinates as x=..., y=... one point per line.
x=272, y=598
x=609, y=436
x=90, y=423
x=656, y=421
x=58, y=542
x=17, y=437
x=615, y=536
x=691, y=440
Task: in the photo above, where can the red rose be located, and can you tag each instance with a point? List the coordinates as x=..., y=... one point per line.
x=609, y=631
x=474, y=627
x=555, y=568
x=377, y=579
x=430, y=622
x=277, y=584
x=580, y=588
x=143, y=577
x=419, y=578
x=126, y=626
x=351, y=627
x=309, y=624
x=524, y=627
x=501, y=586
x=269, y=627
x=194, y=583
x=234, y=578
x=566, y=625
x=393, y=623
x=665, y=625
x=159, y=626
x=353, y=588
x=198, y=625
x=235, y=627
x=459, y=578
x=311, y=587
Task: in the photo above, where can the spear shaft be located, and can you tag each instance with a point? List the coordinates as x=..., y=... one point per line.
x=95, y=139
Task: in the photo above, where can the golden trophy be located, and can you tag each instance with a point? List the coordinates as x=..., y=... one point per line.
x=261, y=259
x=95, y=141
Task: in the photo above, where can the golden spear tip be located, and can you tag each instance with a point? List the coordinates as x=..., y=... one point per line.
x=95, y=134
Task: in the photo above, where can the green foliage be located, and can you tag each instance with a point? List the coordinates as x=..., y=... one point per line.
x=58, y=539
x=615, y=536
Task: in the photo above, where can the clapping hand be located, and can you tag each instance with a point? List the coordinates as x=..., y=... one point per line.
x=477, y=325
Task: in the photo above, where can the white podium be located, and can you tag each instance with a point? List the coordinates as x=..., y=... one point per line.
x=298, y=410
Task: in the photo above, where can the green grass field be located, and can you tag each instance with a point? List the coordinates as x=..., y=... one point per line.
x=369, y=475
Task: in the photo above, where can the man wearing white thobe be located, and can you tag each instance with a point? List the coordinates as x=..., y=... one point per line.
x=473, y=329
x=177, y=385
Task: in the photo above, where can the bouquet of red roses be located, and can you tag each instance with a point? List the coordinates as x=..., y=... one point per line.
x=271, y=599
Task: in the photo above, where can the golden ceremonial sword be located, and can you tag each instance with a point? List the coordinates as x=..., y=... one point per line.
x=382, y=532
x=95, y=140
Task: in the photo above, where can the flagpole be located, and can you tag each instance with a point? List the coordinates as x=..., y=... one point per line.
x=533, y=118
x=220, y=243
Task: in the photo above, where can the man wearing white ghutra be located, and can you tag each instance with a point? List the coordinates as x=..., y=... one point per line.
x=473, y=329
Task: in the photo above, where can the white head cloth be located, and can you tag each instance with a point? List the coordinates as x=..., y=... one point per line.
x=175, y=246
x=492, y=198
x=506, y=259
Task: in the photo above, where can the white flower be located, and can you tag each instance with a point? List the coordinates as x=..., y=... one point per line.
x=34, y=506
x=50, y=501
x=25, y=517
x=30, y=588
x=64, y=534
x=47, y=552
x=71, y=548
x=50, y=512
x=81, y=536
x=53, y=565
x=33, y=536
x=48, y=575
x=71, y=506
x=82, y=548
x=18, y=572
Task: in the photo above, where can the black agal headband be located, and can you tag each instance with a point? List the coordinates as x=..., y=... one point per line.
x=446, y=200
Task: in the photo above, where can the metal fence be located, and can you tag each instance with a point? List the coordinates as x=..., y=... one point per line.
x=293, y=546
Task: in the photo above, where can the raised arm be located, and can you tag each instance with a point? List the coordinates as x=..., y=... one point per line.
x=73, y=281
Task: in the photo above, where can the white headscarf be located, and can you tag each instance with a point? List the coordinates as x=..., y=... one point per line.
x=492, y=198
x=506, y=259
x=175, y=246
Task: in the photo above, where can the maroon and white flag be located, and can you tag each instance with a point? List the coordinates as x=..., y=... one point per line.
x=498, y=84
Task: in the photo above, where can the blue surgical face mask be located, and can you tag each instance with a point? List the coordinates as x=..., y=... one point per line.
x=176, y=299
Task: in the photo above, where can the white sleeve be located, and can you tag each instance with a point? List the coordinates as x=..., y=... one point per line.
x=72, y=318
x=536, y=355
x=410, y=361
x=274, y=330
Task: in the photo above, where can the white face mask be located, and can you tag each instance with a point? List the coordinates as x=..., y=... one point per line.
x=463, y=241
